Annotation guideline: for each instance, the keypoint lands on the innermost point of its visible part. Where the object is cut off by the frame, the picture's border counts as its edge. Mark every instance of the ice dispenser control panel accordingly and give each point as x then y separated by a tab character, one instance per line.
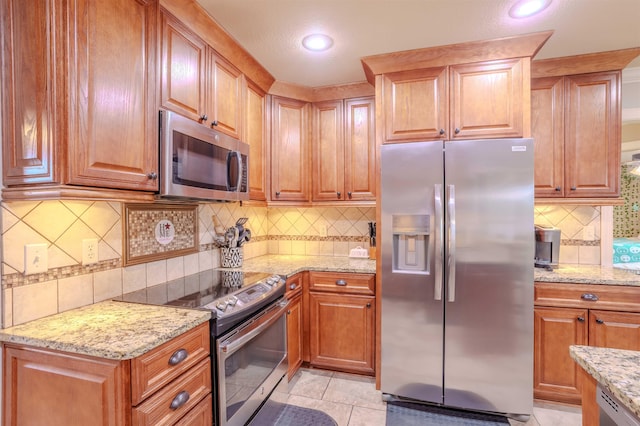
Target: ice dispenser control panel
411	243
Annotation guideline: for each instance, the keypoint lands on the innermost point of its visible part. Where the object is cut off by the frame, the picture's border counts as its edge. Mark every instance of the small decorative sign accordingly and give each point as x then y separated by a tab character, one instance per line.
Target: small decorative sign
165	231
158	231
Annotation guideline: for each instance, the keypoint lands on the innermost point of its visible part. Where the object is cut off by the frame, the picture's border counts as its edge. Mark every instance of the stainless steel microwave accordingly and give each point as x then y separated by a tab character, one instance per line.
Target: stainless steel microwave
200	163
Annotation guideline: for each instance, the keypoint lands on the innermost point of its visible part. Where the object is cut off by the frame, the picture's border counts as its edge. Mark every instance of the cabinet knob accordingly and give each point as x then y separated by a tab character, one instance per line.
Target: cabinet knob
368	305
441	131
456	131
178	356
152	176
349	194
573	188
214	123
277	193
558	188
338	194
341	282
289	312
590	297
180	399
581	319
599	321
204	117
292	287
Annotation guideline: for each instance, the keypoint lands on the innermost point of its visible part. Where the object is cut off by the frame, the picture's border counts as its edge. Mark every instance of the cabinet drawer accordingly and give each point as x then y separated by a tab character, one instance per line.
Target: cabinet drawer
294	284
185	393
202	414
591	296
342	282
151	371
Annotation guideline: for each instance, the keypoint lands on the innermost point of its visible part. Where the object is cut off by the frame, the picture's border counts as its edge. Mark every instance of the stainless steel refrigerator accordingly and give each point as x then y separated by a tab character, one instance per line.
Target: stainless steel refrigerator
457	249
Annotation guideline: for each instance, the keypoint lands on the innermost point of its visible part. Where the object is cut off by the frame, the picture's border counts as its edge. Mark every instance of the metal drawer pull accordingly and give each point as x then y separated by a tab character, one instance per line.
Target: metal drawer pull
341	282
581	319
599	321
590	297
178	356
180	399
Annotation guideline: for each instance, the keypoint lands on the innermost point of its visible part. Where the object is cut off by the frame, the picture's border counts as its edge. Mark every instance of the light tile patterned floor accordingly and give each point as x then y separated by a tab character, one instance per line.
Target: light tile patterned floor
352	400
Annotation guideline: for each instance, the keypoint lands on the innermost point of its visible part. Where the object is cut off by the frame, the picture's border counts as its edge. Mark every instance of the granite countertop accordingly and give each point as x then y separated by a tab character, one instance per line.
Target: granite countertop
111	329
616	369
588	274
288	265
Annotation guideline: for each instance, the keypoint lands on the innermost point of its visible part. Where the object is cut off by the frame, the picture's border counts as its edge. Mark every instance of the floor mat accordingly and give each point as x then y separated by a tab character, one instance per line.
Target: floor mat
275	413
409	414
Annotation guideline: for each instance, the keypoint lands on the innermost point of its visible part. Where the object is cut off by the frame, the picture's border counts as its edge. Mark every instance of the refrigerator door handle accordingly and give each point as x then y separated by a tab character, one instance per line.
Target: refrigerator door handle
451	230
439	245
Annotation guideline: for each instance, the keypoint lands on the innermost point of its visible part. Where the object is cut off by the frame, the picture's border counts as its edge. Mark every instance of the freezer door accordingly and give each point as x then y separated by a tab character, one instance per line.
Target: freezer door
489	285
411	246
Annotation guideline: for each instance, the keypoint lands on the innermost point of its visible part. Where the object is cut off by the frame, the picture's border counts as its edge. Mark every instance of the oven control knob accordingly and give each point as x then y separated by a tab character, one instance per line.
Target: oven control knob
232	301
222	306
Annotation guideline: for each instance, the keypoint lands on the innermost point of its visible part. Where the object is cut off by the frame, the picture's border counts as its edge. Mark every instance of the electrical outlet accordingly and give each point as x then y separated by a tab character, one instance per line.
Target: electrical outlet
35	258
89	251
323	230
588	233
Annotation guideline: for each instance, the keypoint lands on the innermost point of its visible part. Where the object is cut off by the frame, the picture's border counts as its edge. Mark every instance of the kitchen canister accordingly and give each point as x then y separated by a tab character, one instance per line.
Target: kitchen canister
231	257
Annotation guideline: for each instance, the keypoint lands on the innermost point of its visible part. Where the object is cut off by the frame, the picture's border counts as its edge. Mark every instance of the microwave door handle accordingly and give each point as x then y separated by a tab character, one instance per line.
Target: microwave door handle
239	181
231	154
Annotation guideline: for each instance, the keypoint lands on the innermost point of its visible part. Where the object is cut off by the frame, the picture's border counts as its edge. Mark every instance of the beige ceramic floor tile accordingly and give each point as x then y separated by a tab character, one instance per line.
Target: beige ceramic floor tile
310	383
557	415
361	416
355	391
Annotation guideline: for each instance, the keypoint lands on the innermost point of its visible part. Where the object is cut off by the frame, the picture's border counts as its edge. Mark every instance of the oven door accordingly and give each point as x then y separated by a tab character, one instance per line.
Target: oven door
251	360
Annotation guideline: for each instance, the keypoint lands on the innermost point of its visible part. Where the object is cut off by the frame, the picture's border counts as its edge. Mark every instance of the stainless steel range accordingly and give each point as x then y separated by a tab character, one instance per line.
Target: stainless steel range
248	334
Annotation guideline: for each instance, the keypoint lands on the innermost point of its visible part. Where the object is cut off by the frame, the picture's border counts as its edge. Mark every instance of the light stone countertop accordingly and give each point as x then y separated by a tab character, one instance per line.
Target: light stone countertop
616	369
111	329
588	274
288	265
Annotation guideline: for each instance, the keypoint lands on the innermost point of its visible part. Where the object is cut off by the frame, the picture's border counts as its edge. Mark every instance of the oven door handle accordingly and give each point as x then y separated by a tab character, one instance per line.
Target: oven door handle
251	330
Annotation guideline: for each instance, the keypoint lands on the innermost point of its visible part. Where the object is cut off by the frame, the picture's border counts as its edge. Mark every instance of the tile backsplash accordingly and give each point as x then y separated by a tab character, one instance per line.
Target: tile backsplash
626	218
68	284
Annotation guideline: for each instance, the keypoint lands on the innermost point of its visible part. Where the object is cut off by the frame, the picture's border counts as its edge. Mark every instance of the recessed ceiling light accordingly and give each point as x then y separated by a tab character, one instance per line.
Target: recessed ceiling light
317	42
526	8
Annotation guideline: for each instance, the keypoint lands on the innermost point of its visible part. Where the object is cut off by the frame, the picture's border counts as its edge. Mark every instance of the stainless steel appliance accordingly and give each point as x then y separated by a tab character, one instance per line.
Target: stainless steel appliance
457	276
248	334
612	411
198	162
547	246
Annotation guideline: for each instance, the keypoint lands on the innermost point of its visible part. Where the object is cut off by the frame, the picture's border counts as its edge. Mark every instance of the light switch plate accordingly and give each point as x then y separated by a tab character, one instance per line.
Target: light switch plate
35	258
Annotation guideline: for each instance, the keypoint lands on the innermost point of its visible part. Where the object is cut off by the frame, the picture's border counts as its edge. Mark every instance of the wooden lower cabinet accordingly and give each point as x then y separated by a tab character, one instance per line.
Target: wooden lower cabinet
342	332
294	324
579	314
53	388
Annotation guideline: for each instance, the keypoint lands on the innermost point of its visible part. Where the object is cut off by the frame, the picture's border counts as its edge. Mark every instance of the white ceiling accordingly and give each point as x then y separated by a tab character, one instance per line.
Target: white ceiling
272	30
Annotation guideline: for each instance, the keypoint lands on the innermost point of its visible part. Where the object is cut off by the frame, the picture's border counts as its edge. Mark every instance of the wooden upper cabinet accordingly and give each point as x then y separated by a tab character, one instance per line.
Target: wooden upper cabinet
32	87
79	91
592	134
487	100
547	130
197	82
360	149
113	125
415	105
183	69
328	151
255	135
289	150
225	96
468	101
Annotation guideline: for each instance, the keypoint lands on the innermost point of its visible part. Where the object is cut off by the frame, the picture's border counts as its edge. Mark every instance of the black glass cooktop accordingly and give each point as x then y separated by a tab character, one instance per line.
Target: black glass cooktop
194	291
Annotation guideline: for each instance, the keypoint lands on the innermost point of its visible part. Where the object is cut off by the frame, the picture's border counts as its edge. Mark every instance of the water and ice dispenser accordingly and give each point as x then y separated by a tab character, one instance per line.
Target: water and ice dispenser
411	243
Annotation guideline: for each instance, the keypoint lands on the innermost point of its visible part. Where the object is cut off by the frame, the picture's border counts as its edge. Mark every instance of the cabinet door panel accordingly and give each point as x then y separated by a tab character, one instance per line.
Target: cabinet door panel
547	130
592	135
114	126
255	135
183	70
225	95
555	373
415	104
328	152
97	389
360	149
289	151
487	100
294	334
619	330
342	332
32	114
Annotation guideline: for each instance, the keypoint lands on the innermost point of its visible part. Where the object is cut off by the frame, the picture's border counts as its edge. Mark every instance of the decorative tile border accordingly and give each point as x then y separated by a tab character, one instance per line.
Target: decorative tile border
582	243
